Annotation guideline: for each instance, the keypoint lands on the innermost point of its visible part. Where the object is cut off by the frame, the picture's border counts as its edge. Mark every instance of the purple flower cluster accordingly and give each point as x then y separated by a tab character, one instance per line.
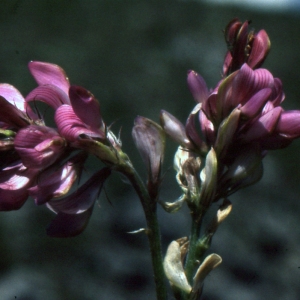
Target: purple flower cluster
241	118
44	162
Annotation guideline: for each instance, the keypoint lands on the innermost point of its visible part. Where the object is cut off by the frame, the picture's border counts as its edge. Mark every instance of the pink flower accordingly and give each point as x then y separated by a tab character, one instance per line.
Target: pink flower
73	212
244	47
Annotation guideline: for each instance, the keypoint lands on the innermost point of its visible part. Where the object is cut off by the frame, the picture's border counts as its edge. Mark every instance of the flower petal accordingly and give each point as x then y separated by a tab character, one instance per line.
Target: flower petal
207	128
56	182
85	106
248	82
174	128
263	126
197	86
46	73
289	124
49	94
39	146
259	50
71	127
15	180
83	198
11	115
12	199
253	107
66	225
13	96
191	130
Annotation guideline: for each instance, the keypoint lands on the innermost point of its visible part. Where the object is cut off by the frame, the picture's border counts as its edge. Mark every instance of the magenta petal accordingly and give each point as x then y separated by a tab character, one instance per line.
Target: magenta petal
11	115
39	146
13	96
83	198
191	129
197	86
207	128
56	182
225	102
46	73
254	105
209	106
15	176
174	128
289	124
12	199
49	94
264	125
53	185
278	94
248	82
227	62
72	127
15	180
263	79
85	106
66	225
259	50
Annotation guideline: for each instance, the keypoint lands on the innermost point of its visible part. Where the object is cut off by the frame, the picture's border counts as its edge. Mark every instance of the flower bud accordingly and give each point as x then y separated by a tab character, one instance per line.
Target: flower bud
149	138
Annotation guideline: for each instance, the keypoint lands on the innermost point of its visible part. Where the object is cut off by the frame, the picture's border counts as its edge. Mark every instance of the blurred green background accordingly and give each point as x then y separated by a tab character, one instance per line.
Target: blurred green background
133	56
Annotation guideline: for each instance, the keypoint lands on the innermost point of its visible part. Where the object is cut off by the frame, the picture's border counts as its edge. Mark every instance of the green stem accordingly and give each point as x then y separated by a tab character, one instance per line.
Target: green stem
153	232
191	263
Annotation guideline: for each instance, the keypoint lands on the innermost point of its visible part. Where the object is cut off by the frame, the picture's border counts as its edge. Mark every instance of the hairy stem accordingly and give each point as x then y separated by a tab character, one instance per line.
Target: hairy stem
191	263
153	232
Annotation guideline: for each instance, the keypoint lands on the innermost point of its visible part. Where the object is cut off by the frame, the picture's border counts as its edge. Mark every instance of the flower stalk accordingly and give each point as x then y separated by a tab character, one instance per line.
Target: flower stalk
152	231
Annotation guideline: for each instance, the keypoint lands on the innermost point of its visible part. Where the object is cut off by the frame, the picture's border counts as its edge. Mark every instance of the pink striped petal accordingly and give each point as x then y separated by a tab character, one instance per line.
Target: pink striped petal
289	124
71	127
248	82
50	94
39	146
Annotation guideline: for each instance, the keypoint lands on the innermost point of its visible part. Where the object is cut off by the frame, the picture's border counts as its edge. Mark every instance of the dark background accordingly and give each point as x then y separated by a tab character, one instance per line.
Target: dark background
133	56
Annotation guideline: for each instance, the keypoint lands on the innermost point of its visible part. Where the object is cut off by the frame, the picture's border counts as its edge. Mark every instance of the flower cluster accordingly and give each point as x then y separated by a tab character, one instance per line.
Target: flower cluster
240	119
44	162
